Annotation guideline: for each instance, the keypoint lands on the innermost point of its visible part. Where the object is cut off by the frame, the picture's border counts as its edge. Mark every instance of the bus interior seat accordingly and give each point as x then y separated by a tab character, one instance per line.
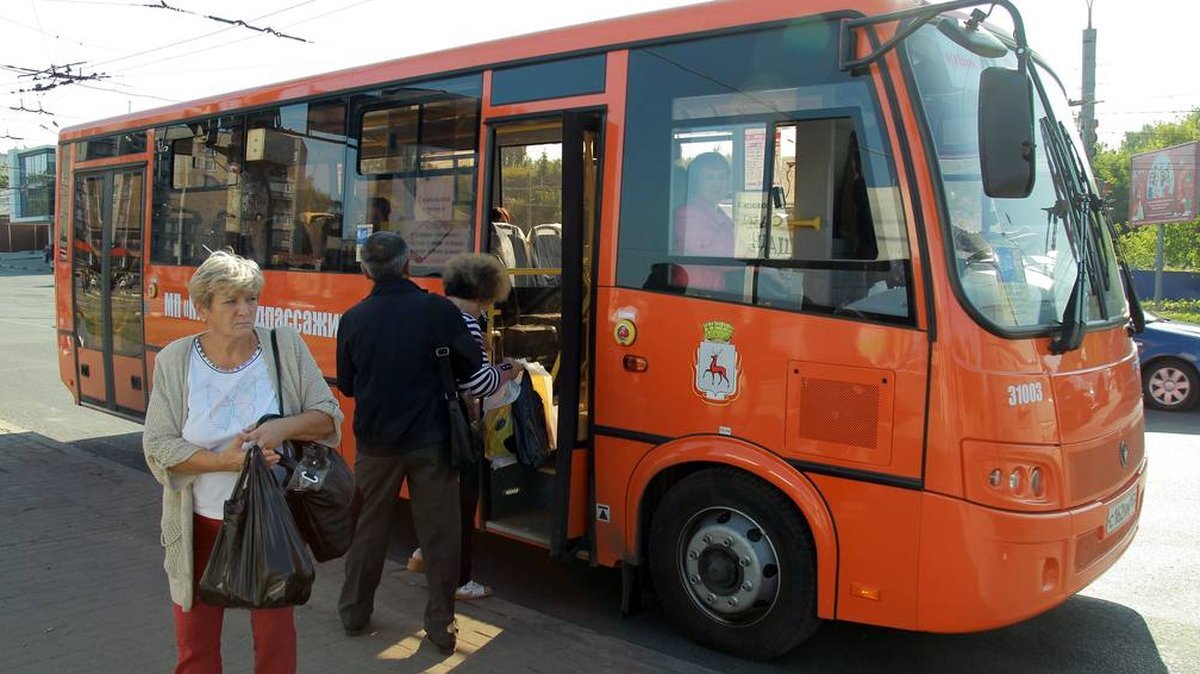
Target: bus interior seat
511	245
546	243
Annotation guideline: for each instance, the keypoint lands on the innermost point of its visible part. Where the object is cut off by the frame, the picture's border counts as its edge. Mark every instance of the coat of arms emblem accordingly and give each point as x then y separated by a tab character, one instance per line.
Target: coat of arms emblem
717	364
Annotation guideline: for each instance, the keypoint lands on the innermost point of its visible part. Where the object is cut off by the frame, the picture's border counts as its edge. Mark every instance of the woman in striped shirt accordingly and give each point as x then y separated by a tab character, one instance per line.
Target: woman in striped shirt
474	283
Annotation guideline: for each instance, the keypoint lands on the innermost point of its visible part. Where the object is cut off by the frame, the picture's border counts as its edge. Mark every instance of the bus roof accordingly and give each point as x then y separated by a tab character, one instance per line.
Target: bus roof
717	15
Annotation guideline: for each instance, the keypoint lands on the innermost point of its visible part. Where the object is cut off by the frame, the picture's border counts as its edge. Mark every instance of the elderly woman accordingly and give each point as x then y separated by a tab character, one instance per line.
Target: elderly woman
209	391
474	283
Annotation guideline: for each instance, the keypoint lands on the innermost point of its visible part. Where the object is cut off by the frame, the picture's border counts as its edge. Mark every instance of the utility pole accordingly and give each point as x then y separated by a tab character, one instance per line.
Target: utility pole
1087	115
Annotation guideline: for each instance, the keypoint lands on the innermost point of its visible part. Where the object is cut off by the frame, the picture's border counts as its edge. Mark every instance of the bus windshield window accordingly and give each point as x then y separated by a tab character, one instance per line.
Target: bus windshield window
1015	259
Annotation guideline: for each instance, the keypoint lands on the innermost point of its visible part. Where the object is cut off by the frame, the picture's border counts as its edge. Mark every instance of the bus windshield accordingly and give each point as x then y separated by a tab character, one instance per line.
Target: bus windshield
1016	261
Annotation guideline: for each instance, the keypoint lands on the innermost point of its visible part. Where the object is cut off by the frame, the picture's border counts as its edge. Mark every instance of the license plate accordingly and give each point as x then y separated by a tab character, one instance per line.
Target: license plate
1120	512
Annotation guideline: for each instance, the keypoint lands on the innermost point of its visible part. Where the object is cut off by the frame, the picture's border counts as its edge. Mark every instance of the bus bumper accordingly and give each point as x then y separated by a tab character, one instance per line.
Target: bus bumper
982	568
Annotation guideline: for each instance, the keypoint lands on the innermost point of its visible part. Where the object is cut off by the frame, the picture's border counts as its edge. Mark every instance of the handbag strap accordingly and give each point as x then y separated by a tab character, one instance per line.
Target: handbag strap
449	390
278	370
441	353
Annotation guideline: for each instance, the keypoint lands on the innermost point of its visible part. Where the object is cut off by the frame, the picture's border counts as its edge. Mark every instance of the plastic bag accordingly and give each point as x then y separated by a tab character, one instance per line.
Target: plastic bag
499	443
529	417
324	500
258	559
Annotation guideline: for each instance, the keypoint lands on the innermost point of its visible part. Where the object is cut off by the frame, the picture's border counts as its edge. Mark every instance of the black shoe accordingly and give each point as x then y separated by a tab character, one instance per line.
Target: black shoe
444	640
355	631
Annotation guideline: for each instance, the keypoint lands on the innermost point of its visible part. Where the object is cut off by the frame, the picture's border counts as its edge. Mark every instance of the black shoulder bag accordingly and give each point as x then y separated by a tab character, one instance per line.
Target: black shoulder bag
462	446
321	492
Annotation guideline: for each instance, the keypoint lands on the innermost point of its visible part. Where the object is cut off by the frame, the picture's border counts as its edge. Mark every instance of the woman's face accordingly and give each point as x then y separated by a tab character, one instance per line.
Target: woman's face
231	314
712	184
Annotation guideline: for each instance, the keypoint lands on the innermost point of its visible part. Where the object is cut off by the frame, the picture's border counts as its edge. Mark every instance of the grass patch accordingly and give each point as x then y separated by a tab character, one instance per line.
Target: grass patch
1176	310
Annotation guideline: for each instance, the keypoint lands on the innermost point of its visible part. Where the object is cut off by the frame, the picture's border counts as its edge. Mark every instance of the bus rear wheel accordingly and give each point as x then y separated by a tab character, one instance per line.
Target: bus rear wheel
733	564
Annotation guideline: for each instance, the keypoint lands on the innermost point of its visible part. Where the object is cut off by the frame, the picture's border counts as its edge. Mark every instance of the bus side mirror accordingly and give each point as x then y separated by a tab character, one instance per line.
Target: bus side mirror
1006	145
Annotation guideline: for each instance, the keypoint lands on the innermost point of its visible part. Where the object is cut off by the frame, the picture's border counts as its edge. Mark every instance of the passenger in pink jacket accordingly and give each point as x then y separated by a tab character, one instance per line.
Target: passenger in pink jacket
701	227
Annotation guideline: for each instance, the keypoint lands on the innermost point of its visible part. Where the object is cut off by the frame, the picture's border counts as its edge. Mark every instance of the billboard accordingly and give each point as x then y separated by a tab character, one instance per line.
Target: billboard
1162	185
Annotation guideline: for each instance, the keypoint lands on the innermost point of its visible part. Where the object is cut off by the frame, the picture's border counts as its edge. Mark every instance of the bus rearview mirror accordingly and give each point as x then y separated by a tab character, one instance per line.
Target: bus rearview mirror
1006	141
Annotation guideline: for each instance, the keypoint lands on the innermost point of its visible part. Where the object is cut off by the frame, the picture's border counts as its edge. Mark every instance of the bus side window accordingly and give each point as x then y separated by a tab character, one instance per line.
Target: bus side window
747	179
194	167
415	148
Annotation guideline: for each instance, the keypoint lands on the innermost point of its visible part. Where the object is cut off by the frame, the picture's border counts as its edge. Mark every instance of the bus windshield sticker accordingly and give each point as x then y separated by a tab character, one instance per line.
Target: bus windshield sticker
717	364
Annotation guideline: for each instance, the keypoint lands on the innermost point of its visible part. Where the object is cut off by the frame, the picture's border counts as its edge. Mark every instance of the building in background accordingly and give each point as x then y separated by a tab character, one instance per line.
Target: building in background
29	198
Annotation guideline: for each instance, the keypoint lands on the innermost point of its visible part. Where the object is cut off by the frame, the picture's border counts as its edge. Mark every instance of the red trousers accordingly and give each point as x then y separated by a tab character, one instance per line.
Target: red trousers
198	632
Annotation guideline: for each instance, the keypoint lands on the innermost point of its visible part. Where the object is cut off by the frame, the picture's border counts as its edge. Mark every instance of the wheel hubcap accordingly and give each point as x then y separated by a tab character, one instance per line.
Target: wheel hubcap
1169	386
729	566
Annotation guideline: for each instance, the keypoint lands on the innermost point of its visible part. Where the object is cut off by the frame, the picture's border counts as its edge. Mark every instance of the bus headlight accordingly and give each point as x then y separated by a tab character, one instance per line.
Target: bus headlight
1012	476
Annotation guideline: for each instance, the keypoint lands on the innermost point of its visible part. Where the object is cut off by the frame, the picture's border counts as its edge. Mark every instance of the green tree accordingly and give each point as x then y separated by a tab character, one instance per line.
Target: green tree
1181	246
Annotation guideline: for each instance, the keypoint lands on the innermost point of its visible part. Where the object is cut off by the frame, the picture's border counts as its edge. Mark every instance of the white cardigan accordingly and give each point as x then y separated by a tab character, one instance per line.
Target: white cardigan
304	389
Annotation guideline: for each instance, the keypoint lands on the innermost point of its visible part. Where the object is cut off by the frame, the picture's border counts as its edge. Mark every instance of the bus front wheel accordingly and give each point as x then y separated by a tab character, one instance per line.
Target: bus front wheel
733	564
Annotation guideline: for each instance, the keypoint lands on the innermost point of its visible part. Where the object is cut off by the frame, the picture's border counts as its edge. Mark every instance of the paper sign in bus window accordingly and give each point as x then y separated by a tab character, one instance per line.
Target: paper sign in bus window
361	234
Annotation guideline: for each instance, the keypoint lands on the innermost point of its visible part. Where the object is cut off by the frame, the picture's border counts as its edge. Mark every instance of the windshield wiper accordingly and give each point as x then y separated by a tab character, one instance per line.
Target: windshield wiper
1137	316
1073	320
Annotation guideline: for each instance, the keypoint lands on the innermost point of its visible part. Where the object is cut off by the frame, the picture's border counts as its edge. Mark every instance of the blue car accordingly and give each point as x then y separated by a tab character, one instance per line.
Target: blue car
1169	352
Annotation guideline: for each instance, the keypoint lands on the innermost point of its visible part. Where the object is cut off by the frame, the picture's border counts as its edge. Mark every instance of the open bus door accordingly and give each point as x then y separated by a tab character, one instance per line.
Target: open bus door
106	272
545	172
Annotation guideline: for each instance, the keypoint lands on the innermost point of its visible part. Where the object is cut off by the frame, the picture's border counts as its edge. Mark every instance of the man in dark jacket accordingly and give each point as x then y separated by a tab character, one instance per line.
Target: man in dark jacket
386	362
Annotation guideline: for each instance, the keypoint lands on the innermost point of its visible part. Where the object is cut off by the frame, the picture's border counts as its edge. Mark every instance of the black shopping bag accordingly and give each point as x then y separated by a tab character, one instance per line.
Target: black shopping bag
324	499
529	416
258	559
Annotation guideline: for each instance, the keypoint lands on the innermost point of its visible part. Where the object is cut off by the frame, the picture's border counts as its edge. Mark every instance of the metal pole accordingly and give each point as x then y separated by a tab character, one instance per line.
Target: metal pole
1158	262
1087	115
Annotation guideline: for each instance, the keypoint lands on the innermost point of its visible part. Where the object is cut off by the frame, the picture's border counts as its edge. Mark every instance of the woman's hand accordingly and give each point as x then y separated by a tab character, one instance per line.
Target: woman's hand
269	435
232	454
509	371
236	454
271	457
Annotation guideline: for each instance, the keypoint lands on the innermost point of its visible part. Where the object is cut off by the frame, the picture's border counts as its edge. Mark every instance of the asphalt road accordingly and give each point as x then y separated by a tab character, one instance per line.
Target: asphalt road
1142	616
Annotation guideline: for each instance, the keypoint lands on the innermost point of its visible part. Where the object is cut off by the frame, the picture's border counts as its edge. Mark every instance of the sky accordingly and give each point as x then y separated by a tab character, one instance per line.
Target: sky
152	56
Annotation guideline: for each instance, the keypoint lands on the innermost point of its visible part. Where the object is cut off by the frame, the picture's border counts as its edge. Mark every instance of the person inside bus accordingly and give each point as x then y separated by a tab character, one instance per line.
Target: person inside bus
209	391
474	283
701	228
380	212
385	361
510	244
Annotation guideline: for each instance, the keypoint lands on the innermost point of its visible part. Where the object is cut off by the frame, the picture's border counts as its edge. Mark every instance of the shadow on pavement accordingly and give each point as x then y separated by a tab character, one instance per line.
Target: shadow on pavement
1186	422
124	449
1082	635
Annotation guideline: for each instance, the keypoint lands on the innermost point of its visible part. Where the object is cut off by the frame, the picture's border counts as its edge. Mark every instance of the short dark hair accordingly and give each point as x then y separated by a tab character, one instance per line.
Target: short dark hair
500	214
479	278
385	256
381	206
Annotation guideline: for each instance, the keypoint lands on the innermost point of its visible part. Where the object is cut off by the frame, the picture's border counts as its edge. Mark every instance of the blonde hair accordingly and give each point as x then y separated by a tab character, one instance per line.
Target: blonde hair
224	273
479	278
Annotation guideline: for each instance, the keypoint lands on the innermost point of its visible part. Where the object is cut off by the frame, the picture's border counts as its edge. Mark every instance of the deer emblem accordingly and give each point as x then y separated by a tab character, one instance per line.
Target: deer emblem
715	370
717	364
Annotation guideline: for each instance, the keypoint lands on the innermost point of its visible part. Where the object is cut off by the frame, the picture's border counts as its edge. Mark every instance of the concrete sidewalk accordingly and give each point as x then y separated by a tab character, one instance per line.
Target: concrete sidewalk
84	591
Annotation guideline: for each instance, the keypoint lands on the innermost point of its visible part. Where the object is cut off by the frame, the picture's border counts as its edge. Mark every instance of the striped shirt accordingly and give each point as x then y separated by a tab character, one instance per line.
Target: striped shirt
486	379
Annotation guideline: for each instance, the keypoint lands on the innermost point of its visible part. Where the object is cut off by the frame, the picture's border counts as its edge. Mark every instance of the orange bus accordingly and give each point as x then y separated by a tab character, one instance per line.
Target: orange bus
833	321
